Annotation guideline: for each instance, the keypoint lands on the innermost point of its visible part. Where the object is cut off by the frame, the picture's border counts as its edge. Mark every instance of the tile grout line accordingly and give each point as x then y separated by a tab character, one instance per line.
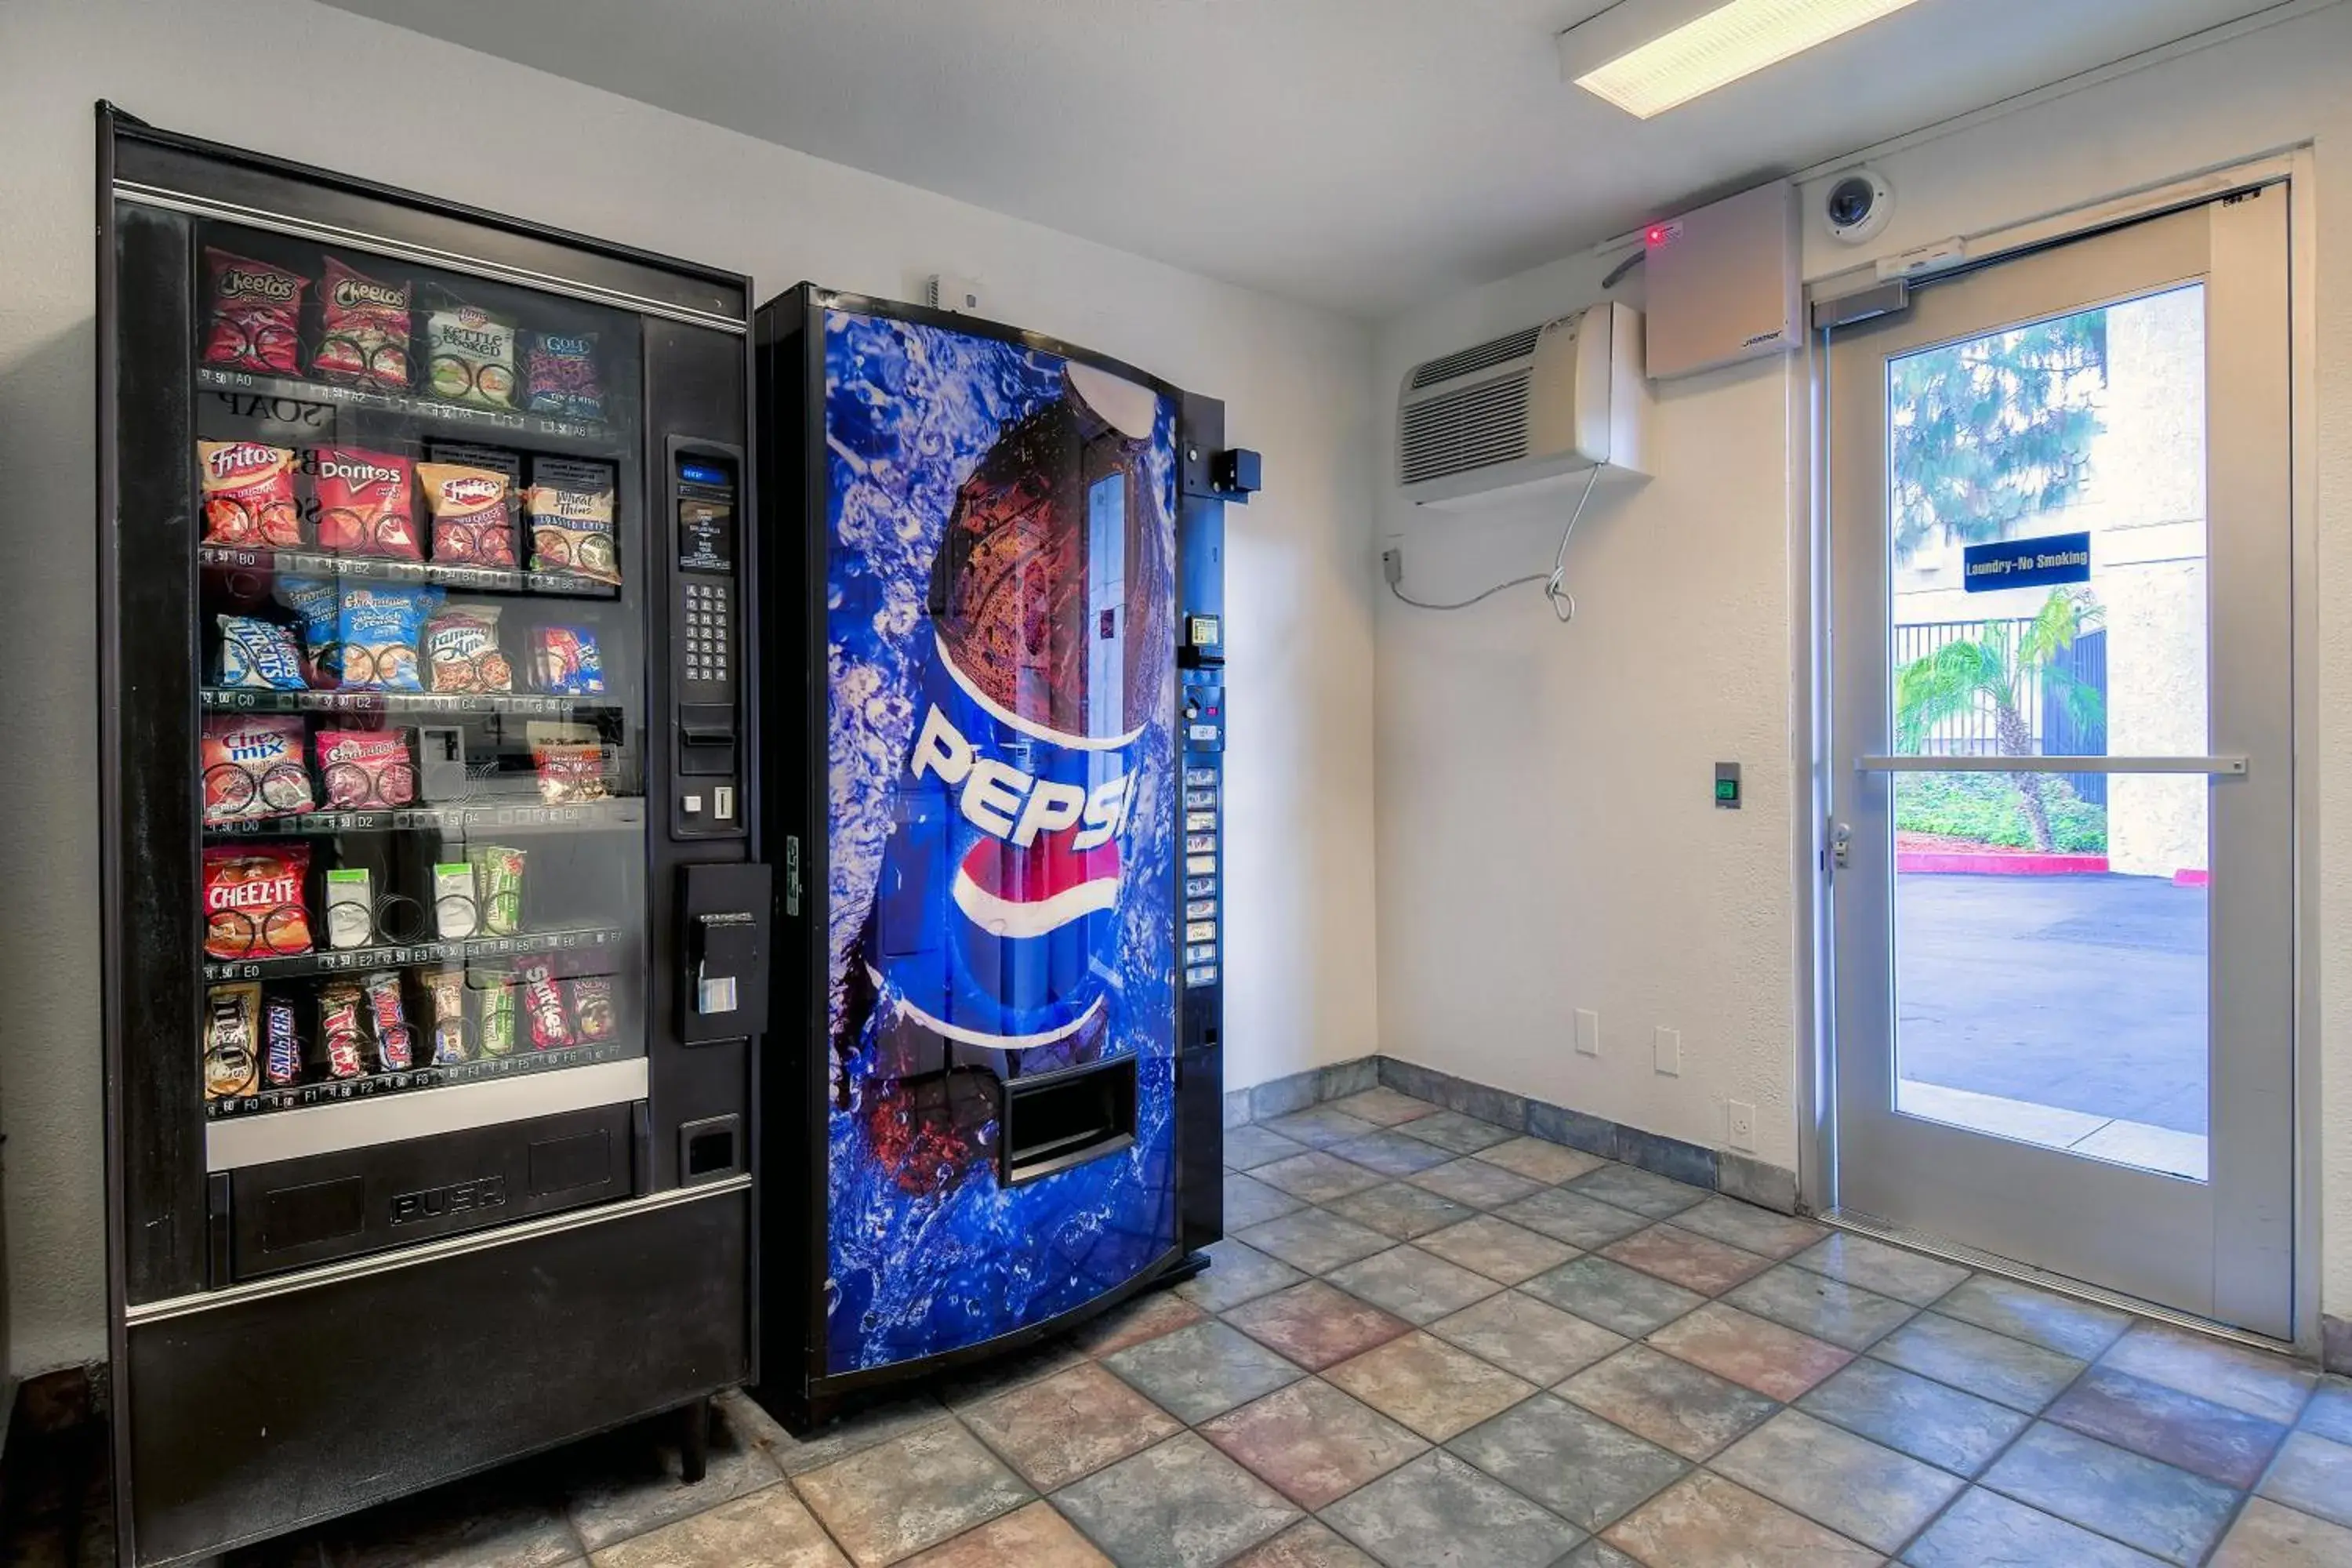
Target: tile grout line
2035	1417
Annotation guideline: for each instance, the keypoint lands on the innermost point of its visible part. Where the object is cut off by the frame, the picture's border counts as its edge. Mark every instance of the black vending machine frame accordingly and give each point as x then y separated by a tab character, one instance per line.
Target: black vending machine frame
791	1151
247	1405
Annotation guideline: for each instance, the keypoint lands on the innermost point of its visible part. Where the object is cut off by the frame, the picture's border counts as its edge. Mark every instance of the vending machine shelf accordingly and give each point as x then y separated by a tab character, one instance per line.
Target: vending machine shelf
457	418
295	966
591	816
526	705
469	579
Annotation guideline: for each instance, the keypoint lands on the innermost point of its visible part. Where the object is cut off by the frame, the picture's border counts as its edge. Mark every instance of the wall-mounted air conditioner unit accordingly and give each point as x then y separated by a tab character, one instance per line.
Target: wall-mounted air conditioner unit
1539	404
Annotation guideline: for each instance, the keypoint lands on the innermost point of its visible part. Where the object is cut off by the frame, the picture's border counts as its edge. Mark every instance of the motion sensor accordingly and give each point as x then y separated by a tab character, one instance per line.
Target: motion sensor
1857	204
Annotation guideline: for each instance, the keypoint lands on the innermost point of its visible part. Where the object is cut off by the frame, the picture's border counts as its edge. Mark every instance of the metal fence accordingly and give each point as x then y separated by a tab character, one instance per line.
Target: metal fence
2048	719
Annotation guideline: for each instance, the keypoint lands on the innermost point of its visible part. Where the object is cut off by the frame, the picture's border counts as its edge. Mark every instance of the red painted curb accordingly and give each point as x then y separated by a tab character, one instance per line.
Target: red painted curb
1961	863
2190	877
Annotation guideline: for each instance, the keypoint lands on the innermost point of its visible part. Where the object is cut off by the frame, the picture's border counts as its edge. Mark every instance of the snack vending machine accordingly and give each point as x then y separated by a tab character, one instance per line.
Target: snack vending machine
435	927
993	797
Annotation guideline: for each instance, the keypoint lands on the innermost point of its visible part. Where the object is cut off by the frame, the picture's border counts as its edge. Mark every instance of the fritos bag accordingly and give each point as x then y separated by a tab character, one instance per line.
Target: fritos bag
249	495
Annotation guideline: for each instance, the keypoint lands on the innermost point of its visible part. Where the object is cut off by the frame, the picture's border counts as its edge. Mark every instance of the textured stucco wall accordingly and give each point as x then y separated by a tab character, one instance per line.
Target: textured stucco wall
1546	837
252	73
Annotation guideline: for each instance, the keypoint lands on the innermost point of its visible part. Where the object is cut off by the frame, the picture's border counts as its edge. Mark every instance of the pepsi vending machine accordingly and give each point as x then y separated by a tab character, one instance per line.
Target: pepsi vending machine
996	728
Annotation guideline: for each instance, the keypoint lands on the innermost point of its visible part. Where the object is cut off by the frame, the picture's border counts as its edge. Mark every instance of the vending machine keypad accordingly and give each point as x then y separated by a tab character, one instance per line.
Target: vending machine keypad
705	694
1201	713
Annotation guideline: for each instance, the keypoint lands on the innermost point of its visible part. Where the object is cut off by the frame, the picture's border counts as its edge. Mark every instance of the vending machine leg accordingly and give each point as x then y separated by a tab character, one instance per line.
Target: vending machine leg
694	1451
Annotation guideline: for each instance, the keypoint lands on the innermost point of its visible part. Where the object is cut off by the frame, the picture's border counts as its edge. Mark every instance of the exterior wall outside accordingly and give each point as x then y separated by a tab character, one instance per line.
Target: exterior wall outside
1299	808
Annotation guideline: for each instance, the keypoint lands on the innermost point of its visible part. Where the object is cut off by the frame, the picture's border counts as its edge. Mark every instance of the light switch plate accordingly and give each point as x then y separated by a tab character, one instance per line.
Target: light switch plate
1669	1044
1588	1032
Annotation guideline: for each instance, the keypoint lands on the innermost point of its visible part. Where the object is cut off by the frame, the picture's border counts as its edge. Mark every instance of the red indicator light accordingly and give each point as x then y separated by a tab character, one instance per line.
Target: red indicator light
1657	234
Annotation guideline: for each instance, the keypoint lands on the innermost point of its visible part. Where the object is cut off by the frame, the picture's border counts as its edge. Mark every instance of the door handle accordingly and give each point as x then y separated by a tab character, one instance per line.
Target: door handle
1841	846
2222	767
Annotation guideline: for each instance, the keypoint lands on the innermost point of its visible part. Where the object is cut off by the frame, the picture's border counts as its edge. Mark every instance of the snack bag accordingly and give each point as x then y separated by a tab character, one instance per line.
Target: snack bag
592	1008
542	1004
498	888
567	661
253	901
571	522
320	603
351	908
570	763
252	767
498	993
473	514
454	907
364	507
447	993
281	1062
381	624
366	769
256	309
232	1041
469	355
563	371
258	653
249	495
461	648
363	331
395	1042
342	1025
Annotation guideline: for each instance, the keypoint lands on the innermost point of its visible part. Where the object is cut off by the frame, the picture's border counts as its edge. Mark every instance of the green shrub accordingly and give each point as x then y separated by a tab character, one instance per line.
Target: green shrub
1983	808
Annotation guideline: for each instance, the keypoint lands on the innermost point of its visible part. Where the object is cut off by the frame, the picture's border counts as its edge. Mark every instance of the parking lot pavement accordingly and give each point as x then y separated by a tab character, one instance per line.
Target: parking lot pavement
2085	993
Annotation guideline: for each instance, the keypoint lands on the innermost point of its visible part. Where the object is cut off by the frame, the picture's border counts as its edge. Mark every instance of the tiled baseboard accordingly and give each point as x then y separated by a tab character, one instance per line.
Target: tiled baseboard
2335	1345
1737	1176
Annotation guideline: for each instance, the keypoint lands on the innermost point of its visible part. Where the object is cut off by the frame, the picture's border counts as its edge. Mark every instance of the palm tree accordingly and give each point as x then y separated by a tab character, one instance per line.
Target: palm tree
1998	666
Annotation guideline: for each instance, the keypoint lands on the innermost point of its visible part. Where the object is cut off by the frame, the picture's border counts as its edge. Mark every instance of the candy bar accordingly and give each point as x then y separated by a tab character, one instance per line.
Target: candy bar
395	1042
282	1059
542	1001
232	1025
448	988
341	1013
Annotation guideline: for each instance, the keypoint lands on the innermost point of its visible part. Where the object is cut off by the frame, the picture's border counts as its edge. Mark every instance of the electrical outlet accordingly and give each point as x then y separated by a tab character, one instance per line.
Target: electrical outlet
1669	1046
1740	1118
1393	566
1588	1032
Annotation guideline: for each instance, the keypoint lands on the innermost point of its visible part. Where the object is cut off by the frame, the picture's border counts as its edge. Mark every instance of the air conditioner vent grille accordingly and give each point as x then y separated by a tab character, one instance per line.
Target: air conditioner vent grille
1473	428
1518	345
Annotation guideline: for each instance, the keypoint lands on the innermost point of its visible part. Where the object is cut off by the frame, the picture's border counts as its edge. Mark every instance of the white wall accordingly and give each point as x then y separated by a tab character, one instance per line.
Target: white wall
298	80
1547	840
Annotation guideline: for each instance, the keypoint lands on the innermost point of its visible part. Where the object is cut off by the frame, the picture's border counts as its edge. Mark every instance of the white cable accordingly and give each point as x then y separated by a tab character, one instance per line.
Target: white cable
1563	603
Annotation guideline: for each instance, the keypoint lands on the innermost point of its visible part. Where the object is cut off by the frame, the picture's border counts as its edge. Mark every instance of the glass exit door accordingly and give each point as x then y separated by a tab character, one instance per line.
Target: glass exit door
2063	828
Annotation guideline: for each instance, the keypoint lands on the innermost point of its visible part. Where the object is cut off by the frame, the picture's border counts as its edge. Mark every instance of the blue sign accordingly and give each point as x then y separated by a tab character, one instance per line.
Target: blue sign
2042	563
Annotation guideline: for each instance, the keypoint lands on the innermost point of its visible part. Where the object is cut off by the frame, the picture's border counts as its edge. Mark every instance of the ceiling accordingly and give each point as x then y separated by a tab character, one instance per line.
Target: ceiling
1361	154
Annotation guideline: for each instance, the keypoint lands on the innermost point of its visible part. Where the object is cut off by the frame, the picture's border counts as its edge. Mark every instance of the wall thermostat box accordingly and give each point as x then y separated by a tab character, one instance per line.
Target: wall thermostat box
1725	283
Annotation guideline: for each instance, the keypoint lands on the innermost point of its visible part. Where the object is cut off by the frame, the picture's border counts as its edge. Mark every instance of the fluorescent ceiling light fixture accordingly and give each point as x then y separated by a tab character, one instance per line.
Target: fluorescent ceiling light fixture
1719	47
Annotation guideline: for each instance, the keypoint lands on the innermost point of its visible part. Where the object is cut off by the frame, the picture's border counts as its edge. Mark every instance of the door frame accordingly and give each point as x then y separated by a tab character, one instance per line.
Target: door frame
1809	557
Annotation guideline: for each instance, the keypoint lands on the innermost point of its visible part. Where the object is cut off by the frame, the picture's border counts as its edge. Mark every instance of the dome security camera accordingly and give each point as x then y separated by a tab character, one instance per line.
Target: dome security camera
1857	204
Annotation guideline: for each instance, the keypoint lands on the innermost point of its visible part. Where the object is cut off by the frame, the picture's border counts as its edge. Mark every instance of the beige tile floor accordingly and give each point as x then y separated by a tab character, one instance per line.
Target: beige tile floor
1478	1351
